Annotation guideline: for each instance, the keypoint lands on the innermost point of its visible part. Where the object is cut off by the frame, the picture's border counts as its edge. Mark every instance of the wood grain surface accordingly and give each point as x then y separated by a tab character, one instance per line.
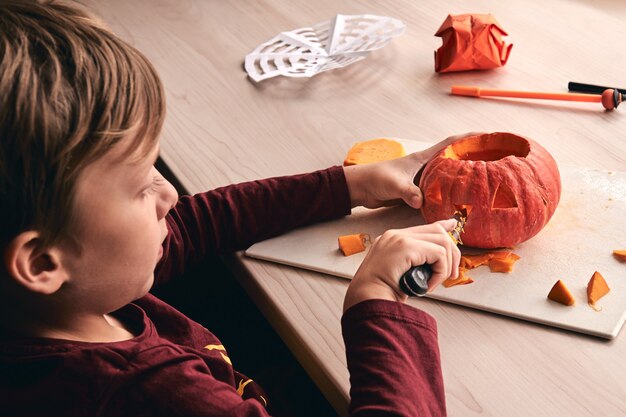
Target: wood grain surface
222	128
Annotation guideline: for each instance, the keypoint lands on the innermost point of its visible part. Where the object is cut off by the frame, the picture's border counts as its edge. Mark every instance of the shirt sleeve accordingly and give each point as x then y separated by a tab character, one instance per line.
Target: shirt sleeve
234	217
393	360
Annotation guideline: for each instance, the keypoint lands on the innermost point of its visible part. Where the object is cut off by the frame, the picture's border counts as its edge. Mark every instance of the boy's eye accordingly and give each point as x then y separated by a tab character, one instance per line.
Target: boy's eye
157	181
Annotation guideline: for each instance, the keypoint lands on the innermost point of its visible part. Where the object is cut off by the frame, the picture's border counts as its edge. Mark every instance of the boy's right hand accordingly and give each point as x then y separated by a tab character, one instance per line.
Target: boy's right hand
394	252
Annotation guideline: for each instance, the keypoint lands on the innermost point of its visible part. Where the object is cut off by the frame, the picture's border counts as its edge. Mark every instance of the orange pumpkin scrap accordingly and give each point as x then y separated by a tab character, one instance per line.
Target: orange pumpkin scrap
561	294
620	254
462	279
374	150
351	244
474	261
512	184
502	261
596	288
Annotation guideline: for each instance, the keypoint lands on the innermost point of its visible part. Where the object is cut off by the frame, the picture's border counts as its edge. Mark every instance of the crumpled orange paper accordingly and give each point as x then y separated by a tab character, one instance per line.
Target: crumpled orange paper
471	42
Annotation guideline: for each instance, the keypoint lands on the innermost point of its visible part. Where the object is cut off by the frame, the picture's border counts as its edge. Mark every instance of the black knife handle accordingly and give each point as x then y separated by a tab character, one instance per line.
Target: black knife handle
414	282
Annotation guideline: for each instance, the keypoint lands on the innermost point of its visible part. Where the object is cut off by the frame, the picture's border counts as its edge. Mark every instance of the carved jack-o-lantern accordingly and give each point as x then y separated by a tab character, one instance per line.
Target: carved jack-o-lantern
511	183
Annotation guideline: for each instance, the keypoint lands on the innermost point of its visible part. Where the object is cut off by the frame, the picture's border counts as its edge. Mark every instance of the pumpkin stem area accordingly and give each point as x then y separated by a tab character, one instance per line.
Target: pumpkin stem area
490	147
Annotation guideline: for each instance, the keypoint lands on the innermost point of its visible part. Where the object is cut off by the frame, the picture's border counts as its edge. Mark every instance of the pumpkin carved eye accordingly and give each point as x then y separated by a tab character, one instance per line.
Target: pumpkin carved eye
433	194
504	198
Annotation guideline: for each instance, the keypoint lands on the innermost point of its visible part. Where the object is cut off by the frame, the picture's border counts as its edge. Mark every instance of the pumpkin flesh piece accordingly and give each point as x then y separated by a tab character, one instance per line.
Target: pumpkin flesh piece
374	150
351	244
462	279
504	258
474	261
596	288
496	260
503	263
620	254
561	294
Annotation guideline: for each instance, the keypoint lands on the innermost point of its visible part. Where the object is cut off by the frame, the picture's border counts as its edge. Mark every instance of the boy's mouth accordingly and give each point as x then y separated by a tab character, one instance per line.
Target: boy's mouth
162	242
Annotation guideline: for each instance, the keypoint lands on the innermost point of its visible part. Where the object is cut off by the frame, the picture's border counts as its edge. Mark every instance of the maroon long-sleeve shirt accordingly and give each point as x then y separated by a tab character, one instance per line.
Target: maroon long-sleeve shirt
176	367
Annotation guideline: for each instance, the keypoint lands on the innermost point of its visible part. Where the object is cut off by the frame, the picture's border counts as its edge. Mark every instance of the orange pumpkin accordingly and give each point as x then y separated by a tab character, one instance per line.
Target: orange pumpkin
512	184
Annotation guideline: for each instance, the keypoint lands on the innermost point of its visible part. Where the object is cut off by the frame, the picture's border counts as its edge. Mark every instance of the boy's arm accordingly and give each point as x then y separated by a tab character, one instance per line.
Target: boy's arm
234	217
393	359
391	348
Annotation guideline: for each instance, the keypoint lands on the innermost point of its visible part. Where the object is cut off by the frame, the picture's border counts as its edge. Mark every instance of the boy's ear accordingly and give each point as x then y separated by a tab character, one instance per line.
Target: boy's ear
38	271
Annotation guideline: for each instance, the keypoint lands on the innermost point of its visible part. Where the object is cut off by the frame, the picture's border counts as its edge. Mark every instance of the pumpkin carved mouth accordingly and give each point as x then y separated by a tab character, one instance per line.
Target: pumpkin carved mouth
512	184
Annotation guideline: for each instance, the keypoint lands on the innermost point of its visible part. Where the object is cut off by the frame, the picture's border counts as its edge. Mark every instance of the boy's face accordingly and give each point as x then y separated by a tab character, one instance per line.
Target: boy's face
120	210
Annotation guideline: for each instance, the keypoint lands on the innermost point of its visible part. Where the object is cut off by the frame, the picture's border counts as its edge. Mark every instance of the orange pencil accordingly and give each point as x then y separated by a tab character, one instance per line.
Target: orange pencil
610	98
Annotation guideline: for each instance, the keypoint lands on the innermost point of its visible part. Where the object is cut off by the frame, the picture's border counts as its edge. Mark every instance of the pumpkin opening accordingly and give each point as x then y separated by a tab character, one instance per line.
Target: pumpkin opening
490	147
504	198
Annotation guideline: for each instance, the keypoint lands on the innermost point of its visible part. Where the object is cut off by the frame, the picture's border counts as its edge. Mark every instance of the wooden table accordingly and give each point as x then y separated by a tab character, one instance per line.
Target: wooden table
222	128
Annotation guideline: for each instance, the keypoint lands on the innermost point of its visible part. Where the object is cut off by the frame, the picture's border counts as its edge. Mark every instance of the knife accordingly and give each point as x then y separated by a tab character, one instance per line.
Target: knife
414	282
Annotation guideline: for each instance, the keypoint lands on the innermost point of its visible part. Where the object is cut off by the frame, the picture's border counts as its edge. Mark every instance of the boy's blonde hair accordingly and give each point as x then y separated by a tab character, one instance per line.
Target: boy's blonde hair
69	91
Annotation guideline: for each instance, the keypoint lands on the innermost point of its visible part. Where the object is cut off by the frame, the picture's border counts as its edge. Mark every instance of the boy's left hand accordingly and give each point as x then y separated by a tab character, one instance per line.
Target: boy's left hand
391	182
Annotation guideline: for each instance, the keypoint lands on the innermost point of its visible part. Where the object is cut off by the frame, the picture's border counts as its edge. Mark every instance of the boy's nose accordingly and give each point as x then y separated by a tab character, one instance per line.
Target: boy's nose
167	199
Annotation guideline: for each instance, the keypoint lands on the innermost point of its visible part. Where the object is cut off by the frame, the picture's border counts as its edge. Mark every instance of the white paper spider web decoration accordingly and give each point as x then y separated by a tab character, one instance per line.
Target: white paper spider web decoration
328	45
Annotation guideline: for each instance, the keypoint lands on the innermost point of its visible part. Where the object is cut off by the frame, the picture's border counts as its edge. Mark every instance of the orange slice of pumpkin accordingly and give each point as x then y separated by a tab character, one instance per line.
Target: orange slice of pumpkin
374	150
462	279
561	294
501	261
474	261
351	244
596	288
620	254
503	264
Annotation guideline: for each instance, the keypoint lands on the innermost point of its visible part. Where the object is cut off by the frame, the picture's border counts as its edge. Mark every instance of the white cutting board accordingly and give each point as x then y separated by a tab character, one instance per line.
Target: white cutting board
579	239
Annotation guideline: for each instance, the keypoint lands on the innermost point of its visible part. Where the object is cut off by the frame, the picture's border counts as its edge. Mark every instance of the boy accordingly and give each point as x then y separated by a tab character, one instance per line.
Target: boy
85	219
